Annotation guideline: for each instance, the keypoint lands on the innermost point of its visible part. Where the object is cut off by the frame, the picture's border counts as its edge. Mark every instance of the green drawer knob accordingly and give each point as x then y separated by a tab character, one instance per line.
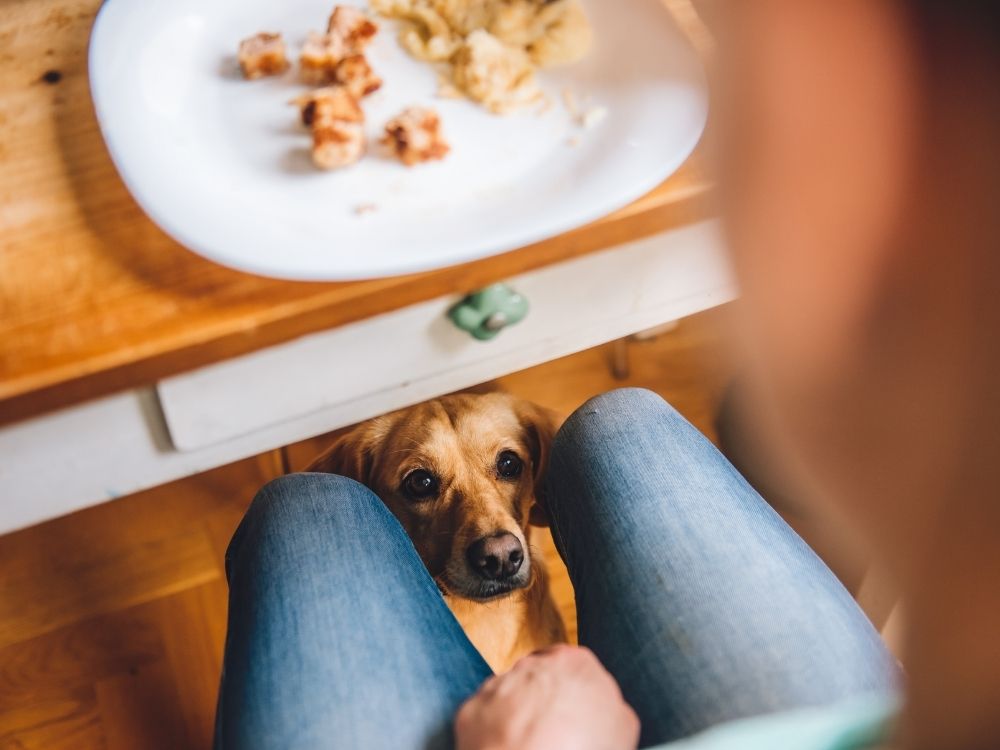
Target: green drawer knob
487	312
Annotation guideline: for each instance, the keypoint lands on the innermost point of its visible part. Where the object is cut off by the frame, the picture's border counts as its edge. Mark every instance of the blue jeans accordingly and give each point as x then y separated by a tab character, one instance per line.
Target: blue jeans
700	600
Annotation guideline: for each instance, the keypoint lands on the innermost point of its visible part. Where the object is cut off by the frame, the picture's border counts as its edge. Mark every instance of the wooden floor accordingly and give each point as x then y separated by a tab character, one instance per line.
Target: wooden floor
112	619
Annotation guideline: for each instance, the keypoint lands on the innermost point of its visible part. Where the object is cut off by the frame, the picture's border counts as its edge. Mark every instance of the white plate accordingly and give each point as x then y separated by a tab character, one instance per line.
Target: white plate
221	165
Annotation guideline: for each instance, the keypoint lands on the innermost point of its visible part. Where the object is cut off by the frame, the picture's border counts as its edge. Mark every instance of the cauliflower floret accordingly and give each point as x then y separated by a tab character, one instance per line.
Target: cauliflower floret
496	74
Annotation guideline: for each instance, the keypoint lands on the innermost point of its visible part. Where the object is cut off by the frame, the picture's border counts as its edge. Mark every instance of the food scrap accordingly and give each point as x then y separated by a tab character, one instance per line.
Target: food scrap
501	77
494	45
319	57
337	124
582	118
415	136
352	27
348	32
334	61
552	32
592	117
262	55
446	89
569	101
357	75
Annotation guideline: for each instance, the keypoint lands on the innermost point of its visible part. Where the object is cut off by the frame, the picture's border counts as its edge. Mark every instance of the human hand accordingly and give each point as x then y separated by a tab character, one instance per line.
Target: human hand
561	697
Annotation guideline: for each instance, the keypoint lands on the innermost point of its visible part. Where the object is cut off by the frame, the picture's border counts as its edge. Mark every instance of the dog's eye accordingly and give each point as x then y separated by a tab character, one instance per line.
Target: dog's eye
420	484
509	465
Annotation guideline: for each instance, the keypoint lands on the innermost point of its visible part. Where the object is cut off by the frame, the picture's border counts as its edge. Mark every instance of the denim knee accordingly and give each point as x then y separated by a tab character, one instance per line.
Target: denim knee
299	497
606	417
307	499
611	440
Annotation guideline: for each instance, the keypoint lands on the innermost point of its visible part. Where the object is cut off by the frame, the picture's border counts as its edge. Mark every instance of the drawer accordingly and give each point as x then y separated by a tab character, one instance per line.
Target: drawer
389	361
129	441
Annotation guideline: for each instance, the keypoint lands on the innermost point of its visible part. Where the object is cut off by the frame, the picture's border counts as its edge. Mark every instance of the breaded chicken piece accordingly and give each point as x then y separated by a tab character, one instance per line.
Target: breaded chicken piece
357	75
330	103
337	124
415	136
319	58
348	33
337	143
262	55
352	27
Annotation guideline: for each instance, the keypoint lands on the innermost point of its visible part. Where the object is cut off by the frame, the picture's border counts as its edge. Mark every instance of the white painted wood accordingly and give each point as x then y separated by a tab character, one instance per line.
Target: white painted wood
120	444
572	300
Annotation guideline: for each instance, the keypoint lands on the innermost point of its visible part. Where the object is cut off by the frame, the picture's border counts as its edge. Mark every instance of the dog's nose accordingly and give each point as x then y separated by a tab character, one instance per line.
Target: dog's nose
496	557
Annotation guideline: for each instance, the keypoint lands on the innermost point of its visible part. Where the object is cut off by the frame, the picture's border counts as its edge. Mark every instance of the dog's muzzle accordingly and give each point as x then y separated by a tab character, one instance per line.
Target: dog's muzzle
496	565
497	557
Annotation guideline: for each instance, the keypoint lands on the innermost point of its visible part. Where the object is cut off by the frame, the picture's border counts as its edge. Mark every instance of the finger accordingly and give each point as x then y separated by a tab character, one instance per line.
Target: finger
530	661
466	719
488	687
500	686
511	683
555	648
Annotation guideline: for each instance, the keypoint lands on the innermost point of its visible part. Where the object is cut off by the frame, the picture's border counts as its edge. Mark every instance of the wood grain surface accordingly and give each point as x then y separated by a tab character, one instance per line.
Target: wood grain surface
94	298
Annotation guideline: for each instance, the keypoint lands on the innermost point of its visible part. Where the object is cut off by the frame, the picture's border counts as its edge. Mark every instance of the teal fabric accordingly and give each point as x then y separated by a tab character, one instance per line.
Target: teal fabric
859	724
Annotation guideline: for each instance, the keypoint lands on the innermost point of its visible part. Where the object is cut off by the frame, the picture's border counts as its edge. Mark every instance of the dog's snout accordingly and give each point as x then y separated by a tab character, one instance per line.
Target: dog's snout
496	557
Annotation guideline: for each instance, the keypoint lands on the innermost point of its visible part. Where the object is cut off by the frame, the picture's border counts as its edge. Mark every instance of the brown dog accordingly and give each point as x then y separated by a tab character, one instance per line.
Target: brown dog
459	473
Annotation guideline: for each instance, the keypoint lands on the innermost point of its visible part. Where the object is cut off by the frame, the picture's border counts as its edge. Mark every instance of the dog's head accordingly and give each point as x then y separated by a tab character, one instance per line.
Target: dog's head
460	474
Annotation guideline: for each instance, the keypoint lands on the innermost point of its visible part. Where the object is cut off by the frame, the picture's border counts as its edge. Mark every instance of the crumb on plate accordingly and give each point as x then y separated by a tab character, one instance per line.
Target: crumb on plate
592	117
570	102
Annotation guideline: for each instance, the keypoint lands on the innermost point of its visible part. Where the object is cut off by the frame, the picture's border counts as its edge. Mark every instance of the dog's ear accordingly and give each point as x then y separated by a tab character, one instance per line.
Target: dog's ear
539	425
353	454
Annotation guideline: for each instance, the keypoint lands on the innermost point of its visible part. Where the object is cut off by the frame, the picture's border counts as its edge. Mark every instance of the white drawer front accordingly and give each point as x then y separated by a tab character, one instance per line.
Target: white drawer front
120	444
362	369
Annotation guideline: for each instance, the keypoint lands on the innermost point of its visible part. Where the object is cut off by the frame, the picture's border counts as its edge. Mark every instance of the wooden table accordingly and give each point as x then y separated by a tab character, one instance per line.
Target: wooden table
96	300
